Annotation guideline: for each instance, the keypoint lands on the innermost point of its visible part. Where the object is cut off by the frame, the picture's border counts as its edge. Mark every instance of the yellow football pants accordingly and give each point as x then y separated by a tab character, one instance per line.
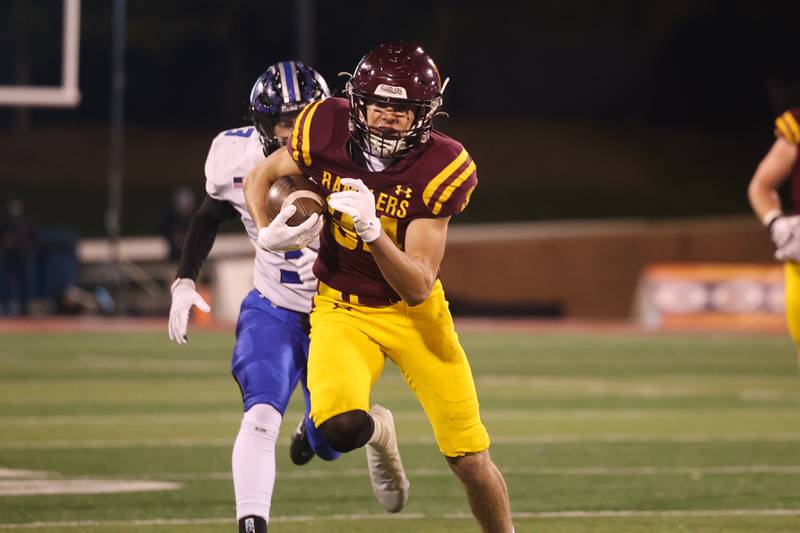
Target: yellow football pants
792	271
349	342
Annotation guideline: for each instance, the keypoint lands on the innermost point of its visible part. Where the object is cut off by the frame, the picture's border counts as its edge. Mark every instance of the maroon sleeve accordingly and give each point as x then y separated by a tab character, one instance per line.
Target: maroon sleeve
312	130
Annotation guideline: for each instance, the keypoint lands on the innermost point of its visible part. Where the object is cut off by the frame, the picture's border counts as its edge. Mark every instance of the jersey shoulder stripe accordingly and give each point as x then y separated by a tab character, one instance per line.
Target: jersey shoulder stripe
295	142
452	186
468	196
301	143
788	126
444	174
459	173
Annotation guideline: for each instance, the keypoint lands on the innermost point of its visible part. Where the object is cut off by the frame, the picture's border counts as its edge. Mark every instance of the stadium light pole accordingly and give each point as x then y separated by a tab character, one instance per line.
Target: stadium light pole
116	155
304	31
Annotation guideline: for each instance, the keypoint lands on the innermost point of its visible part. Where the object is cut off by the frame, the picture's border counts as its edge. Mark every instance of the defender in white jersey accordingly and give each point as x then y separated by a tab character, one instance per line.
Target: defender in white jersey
271	350
281	278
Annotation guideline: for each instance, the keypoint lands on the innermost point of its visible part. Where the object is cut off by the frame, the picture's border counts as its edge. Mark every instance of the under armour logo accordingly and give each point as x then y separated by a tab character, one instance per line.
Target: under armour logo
398	190
339	306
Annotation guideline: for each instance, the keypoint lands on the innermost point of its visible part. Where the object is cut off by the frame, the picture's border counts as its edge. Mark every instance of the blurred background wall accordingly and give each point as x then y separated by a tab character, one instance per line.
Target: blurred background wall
572	109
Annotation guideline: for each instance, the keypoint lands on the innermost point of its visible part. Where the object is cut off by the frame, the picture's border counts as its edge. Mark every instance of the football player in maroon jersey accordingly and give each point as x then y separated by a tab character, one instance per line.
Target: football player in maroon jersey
782	163
393	183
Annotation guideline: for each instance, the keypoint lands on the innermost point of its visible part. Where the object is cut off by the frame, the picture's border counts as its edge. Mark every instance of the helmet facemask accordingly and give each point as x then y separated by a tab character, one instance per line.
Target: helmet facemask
266	124
388	142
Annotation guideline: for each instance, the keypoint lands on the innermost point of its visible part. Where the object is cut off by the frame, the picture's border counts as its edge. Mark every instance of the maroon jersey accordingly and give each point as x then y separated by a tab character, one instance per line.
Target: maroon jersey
433	181
788	126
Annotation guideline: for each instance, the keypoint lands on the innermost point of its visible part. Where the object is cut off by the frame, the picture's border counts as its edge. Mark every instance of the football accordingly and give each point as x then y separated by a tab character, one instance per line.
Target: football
306	196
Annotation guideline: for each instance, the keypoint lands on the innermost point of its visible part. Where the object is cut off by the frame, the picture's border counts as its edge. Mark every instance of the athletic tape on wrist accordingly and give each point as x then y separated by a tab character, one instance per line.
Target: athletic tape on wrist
771	217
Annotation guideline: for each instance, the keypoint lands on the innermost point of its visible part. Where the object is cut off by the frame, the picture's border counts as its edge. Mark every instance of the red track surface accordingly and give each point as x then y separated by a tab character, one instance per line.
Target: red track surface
134	325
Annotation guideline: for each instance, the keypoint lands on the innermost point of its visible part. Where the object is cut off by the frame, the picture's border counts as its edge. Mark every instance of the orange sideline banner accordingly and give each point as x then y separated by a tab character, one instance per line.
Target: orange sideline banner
717	296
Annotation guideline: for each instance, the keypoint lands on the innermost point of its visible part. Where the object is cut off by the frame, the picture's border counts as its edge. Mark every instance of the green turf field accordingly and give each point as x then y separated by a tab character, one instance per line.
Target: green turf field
594	432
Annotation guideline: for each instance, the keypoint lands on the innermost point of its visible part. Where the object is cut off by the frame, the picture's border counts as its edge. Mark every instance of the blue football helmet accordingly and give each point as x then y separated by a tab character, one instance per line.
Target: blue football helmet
279	95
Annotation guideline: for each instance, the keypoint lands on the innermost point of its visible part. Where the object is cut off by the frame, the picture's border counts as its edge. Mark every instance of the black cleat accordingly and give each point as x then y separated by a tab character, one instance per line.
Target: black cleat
300	449
252	524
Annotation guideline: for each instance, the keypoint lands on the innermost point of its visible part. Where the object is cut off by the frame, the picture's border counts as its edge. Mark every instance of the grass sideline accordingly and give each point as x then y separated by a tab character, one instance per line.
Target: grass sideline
595	431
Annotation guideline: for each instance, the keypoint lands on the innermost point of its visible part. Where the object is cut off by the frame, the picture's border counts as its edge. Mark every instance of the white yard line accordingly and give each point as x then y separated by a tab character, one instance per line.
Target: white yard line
119	419
9	473
26	482
101	444
302	473
488	414
208	521
30	482
588	471
410	516
655	514
508	439
28	487
642	437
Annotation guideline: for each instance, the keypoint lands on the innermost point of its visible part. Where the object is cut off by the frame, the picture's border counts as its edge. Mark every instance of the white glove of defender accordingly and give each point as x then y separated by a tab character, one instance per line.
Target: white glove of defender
785	233
278	237
184	296
305	265
360	206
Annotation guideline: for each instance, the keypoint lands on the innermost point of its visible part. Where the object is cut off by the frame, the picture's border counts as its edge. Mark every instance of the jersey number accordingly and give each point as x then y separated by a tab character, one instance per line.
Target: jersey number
346	236
241	132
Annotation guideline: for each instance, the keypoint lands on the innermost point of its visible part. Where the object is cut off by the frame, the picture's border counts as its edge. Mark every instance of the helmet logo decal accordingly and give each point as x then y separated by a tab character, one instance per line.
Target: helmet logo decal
289	85
390	91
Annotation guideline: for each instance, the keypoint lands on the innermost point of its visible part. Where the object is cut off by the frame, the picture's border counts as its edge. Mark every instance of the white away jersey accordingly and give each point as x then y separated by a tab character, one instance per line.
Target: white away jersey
233	153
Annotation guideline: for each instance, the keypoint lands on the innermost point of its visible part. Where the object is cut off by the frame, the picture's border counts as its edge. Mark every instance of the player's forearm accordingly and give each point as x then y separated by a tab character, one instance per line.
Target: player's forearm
411	278
763	199
258	181
772	172
202	233
199	240
255	185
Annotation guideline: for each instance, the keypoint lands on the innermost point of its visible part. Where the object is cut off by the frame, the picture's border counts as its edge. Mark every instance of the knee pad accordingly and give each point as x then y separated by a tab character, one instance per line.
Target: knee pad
348	431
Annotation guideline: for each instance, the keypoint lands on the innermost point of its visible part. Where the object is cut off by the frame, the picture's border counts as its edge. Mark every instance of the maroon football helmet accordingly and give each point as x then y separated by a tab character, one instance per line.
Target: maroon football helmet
401	75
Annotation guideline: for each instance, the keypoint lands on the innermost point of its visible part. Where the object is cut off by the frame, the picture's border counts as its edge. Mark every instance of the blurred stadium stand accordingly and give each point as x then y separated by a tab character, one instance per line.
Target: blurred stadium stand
613	111
578	269
50	272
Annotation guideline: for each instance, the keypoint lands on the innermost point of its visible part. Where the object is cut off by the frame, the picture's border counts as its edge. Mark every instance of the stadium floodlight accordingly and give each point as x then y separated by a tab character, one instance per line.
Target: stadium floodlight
66	95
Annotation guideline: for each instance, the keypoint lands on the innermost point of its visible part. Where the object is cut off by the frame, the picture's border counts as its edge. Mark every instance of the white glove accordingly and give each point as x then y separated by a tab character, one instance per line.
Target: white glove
305	265
360	206
184	296
278	237
785	233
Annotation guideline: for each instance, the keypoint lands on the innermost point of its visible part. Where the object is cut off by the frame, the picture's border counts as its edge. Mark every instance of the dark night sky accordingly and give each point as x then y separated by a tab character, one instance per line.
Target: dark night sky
698	63
655	108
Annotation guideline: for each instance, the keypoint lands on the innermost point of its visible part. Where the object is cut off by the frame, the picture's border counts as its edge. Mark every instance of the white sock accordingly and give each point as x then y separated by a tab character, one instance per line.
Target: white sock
379	433
253	461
